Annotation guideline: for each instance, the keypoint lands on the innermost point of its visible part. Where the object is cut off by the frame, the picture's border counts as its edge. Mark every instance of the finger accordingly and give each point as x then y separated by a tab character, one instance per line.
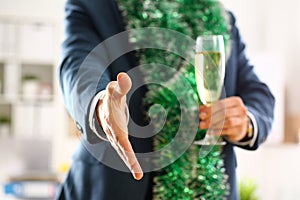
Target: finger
212	116
227	103
217	118
205	112
133	164
129	157
111	88
234	134
230	122
224	122
124	84
225	116
134	167
218	106
119	141
120	87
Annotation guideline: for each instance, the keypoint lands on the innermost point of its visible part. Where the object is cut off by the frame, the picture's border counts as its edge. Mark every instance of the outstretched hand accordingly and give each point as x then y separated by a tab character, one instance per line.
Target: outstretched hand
111	113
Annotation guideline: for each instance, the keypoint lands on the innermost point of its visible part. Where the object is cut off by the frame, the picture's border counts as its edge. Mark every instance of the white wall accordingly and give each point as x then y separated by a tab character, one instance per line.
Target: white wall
50	11
273	26
271	30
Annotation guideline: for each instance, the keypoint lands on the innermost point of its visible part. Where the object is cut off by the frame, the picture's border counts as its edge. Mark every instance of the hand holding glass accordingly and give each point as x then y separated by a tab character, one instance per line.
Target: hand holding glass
210	72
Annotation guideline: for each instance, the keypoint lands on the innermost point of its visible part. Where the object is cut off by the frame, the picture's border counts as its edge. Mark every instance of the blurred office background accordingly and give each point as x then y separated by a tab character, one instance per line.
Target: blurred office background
37	138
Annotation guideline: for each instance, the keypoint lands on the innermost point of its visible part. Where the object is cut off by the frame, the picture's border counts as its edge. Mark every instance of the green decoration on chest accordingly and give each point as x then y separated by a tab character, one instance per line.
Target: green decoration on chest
189	177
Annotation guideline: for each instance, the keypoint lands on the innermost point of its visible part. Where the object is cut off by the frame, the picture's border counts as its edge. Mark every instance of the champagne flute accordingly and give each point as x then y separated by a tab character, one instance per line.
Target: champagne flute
210	72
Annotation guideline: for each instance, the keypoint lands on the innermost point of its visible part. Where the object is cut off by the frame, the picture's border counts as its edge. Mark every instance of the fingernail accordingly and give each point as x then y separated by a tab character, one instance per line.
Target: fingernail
137	172
203	115
138	176
120	75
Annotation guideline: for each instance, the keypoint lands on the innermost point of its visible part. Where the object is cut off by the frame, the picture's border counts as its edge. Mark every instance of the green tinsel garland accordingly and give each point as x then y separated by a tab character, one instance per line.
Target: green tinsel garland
189	177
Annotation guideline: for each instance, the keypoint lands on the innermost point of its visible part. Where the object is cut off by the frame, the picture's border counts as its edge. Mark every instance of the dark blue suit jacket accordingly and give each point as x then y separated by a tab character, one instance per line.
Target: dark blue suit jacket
88	23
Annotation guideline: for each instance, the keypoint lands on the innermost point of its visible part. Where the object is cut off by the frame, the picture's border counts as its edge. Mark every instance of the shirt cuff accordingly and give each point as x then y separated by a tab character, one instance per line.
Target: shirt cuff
250	142
93	122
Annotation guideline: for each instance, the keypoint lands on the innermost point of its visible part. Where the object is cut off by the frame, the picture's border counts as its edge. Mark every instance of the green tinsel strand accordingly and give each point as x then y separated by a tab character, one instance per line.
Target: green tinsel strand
189	177
209	178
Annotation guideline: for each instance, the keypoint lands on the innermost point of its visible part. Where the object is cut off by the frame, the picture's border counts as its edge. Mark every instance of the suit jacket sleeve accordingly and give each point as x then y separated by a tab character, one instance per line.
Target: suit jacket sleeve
255	94
81	82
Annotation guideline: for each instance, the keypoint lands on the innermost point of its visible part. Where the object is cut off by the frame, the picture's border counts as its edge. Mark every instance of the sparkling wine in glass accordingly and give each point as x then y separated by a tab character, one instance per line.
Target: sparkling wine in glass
210	72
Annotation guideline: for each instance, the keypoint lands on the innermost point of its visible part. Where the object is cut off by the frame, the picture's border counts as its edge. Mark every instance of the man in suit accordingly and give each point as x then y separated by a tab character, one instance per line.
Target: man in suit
100	111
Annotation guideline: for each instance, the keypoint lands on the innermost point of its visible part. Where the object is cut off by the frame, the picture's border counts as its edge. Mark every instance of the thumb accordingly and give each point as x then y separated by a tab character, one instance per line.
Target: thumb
123	84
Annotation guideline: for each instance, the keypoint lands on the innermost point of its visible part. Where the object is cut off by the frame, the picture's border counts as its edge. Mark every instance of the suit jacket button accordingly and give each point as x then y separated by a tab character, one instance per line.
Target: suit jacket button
79	127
